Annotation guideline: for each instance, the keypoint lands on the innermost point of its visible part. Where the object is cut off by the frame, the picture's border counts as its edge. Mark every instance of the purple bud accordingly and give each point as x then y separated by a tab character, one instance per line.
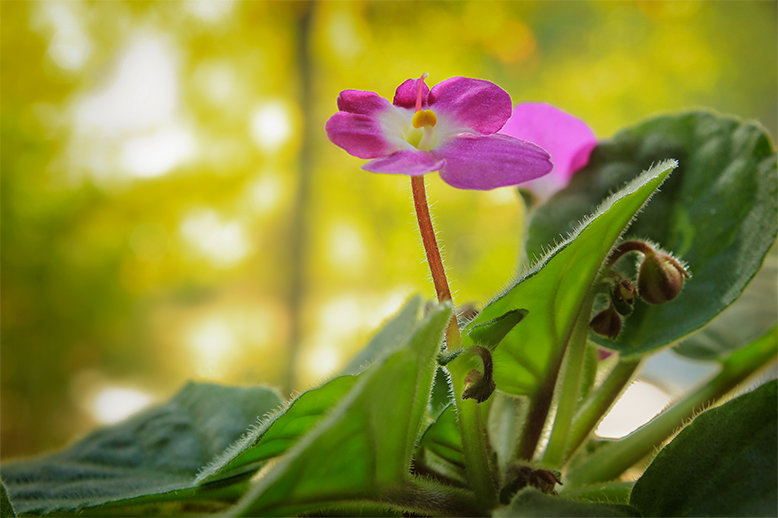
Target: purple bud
607	323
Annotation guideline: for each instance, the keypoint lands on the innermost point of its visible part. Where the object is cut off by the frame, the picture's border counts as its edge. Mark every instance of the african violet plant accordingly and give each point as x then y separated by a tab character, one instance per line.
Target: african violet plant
495	415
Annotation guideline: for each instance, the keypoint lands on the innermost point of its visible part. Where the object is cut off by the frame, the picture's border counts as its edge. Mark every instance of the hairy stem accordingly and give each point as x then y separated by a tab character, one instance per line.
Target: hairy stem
540	401
613	459
629	246
475	442
569	387
539	405
428	238
600	401
470	422
453	338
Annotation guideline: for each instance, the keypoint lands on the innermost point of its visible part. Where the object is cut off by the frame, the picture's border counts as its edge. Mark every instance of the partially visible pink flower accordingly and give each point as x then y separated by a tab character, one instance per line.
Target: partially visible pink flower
451	128
567	139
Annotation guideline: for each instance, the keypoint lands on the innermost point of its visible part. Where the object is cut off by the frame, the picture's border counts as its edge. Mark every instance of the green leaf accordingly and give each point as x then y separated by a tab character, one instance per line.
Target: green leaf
722	464
156	452
591	363
277	432
506	415
609	492
555	288
441	395
363	449
395	331
442	440
491	333
6	509
751	316
719	213
531	502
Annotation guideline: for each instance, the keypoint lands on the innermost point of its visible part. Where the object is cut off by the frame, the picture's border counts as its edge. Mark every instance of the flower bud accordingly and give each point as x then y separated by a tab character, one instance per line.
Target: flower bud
478	386
607	323
623	297
660	278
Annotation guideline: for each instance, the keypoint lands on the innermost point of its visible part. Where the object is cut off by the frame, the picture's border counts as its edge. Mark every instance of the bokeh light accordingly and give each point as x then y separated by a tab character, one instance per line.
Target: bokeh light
637	406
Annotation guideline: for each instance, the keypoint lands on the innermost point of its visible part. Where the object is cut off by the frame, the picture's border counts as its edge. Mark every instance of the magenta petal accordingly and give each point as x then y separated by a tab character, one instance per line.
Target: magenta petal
568	139
405	95
485	163
412	162
362	102
360	135
474	103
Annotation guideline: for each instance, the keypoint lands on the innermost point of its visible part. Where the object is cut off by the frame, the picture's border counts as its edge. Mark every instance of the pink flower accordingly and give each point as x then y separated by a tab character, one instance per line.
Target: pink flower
568	139
451	128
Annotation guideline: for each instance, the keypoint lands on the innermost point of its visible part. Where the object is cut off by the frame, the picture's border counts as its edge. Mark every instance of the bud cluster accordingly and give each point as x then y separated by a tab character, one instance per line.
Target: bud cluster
660	279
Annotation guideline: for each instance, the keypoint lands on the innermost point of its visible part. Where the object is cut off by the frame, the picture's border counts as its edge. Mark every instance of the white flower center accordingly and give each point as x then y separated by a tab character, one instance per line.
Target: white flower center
424	129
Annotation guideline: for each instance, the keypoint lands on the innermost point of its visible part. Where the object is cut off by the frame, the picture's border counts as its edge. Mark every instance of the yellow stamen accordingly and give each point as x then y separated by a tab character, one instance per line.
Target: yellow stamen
424	118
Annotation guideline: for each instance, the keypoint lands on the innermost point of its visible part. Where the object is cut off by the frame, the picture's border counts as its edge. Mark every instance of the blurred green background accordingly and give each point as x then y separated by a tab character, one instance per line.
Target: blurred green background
172	209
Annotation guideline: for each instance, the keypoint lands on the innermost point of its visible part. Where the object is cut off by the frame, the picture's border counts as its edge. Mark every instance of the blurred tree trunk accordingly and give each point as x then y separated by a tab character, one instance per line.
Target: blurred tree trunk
299	222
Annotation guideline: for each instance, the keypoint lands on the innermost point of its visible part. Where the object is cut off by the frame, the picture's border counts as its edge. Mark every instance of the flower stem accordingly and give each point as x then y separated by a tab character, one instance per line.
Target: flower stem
595	407
613	459
428	237
569	387
453	338
541	399
539	405
475	443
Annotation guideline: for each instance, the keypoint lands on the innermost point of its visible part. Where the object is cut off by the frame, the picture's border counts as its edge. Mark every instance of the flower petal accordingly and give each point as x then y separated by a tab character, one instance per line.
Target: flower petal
360	135
405	95
410	162
568	140
474	103
362	102
485	163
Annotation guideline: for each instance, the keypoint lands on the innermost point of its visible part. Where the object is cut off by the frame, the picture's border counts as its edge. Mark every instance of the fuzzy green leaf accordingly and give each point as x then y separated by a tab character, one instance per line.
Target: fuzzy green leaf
441	395
363	448
393	332
751	316
719	213
157	452
277	432
554	289
722	464
442	440
531	502
489	334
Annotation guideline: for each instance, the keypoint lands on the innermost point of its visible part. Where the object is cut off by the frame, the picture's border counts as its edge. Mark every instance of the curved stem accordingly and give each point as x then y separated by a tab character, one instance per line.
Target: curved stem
629	246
